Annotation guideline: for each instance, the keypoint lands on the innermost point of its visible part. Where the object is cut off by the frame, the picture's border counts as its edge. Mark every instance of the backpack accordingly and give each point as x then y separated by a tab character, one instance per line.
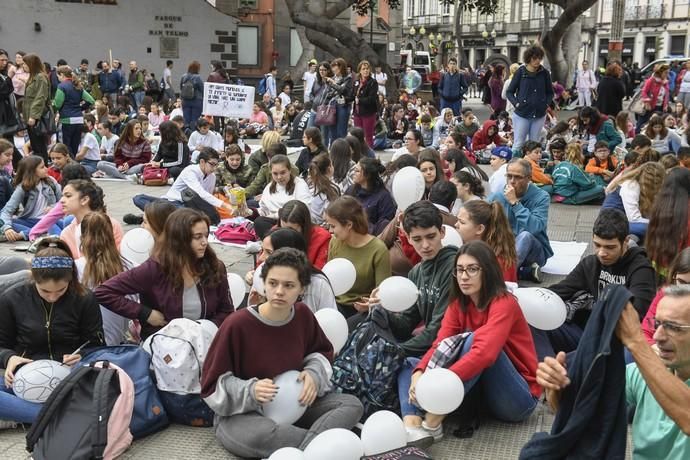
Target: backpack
187	89
152	85
149	413
87	416
262	85
369	363
402	453
237	233
178	352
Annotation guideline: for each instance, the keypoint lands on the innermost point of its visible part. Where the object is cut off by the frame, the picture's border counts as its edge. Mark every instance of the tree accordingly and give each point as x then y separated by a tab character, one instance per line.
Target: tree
483	6
562	42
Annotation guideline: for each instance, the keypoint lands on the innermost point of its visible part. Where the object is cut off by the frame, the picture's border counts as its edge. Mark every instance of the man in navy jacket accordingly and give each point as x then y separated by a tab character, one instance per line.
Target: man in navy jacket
452	88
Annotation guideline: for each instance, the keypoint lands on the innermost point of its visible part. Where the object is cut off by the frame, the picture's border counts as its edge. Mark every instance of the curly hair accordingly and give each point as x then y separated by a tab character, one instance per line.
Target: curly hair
650	176
573	154
289	257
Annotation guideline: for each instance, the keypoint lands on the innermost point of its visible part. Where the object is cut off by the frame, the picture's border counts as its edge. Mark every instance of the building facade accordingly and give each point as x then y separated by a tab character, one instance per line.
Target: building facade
149	32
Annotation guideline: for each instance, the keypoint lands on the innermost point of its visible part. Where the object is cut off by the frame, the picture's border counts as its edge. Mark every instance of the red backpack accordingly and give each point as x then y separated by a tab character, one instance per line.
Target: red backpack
236	233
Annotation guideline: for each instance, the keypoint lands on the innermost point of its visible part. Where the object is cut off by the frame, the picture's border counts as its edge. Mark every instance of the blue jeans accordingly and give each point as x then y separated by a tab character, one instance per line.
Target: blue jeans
24	225
529	250
508	396
138	98
638	229
456	106
404	380
524	128
342	118
141	200
90	165
14	408
191	110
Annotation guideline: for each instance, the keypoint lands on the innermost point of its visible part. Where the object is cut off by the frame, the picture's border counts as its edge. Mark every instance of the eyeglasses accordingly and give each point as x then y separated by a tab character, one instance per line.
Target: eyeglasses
471	270
670	328
409	138
514	177
213	164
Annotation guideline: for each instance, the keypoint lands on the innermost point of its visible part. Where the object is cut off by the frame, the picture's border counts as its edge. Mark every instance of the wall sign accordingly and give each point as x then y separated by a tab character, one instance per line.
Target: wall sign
223	100
169	48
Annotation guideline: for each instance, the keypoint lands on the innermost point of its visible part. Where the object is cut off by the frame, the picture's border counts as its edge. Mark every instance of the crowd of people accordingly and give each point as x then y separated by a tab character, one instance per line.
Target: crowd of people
336	201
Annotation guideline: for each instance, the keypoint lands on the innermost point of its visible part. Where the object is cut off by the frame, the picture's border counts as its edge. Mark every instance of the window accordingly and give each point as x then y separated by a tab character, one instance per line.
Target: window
248	45
296	49
422	8
677	45
249	4
410	9
446	9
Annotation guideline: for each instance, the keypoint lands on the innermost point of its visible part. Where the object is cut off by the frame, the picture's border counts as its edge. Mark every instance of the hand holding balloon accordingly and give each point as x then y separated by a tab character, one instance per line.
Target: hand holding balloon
264	391
12	364
415	378
308	394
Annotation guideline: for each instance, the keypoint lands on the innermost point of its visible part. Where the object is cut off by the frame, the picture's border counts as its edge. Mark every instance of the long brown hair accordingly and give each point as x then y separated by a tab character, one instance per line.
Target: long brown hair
318	168
55	247
497	234
173	250
103	260
348	209
285	161
650	176
127	136
26	173
33	62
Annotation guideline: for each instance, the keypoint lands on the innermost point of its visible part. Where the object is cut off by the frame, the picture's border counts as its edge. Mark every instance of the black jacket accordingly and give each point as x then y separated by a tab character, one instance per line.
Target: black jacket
73	320
591	420
611	92
368	97
633	270
305	157
170	155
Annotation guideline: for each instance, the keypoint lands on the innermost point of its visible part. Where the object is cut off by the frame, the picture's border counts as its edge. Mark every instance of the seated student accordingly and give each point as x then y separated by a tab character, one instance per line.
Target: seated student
299	124
263	174
398	125
358	133
368	188
258	122
500	156
284	186
479	220
200	178
498	354
468	186
35	192
614	262
430	165
240	366
59	158
487	138
443	126
556	153
414	144
423	226
6	188
684	156
571	185
173	153
156	215
531	151
602	165
469	126
426	129
597	127
258	157
443	195
108	141
664	140
527	209
115	118
89	153
183	278
321	186
52	302
79	198
347	222
233	170
296	215
656	385
132	152
319	294
99	261
313	146
204	137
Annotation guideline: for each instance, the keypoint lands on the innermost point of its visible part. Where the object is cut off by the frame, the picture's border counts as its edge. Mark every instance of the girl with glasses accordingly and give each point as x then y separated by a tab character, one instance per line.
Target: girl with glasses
498	354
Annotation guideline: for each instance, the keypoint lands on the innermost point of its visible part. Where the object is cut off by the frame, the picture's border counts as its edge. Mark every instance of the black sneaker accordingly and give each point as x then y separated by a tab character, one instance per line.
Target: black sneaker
132	219
535	272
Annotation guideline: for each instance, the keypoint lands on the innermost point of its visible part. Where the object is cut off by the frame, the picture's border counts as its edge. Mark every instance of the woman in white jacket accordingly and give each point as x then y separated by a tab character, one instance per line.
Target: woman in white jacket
284	186
509	107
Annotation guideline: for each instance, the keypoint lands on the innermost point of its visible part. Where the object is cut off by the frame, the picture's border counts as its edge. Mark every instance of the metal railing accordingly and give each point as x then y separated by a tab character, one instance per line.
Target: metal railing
644	12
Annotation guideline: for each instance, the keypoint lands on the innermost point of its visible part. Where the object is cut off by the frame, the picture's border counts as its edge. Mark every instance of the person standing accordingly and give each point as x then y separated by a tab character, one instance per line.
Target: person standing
585	83
192	92
110	82
530	91
381	79
271	88
452	87
68	99
364	109
341	88
20	77
655	94
167	81
611	91
308	79
498	104
36	97
83	75
135	84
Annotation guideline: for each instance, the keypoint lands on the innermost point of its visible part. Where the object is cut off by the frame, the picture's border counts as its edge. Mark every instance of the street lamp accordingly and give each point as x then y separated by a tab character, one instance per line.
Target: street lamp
417	35
486	34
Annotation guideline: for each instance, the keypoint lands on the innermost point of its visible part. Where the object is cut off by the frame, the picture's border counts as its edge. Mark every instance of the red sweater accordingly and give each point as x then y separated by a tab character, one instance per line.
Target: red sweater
55	174
501	327
317	252
509	272
249	348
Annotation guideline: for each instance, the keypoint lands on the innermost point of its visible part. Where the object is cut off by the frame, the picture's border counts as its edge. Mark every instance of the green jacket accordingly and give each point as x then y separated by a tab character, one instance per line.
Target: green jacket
263	177
257	160
433	278
569	179
225	177
36	97
610	134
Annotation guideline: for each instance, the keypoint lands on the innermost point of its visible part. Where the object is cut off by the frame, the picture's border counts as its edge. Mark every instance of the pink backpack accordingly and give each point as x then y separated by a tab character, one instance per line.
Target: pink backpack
119	436
236	233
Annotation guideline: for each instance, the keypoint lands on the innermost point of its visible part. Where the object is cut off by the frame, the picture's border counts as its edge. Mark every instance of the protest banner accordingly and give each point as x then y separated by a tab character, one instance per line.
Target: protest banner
221	100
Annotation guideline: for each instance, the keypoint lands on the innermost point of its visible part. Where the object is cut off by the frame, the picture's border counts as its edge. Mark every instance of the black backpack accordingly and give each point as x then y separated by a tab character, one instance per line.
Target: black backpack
73	422
187	90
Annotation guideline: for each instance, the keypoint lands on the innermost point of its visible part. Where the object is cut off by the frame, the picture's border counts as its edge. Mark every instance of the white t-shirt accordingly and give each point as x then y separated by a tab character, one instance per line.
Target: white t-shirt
309	79
109	144
381	79
167	76
91	143
285	99
175	112
497	181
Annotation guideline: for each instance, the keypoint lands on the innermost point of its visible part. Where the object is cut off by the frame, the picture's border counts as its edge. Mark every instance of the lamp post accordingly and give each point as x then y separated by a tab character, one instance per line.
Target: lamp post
417	35
486	34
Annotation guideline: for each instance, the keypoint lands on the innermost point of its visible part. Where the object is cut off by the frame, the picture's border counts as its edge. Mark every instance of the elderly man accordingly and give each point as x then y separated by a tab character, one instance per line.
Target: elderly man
657	383
527	209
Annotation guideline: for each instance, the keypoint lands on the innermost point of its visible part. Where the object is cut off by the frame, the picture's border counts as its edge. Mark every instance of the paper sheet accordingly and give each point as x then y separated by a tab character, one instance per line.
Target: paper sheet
566	256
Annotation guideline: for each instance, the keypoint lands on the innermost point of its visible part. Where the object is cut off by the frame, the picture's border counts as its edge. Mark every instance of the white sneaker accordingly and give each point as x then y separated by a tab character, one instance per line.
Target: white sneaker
436	433
418	437
7	425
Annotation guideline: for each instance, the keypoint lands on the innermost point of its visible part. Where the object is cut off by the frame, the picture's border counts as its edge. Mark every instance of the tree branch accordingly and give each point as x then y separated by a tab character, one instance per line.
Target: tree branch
561	3
566	19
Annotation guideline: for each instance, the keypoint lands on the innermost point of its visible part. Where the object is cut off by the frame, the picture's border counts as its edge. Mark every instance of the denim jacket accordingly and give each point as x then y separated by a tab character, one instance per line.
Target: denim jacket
27	200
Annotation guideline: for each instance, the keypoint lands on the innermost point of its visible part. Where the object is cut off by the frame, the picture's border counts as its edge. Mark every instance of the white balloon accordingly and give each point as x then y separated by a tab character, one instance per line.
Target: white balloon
237	289
397	293
258	283
335	444
511	286
334	325
287	453
439	391
341	274
383	431
452	237
136	246
408	186
542	308
35	381
285	408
